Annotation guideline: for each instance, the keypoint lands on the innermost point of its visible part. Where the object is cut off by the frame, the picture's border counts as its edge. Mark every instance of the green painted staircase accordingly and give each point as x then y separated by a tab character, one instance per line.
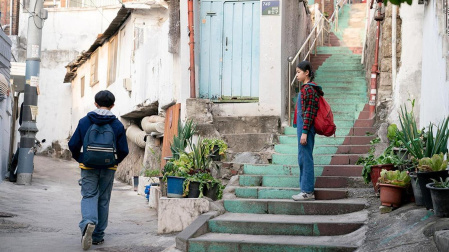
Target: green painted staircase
261	216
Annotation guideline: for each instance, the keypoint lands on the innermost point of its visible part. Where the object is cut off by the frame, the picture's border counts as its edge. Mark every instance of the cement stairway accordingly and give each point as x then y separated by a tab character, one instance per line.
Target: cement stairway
263	217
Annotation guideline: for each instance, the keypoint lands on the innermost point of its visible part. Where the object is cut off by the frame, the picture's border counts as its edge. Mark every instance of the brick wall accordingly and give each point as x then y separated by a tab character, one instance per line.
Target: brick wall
5	18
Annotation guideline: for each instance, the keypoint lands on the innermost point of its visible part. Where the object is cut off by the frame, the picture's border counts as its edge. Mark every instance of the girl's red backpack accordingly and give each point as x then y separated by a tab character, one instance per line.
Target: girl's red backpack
324	120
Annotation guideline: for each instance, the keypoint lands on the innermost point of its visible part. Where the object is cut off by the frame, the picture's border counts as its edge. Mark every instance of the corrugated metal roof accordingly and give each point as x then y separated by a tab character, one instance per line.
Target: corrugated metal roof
115	25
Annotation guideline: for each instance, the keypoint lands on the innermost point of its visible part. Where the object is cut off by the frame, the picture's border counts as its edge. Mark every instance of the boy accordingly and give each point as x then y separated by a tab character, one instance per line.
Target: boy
97	181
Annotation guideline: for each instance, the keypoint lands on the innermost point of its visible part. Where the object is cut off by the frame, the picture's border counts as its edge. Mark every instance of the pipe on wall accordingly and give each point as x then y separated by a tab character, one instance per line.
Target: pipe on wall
136	135
192	49
375	67
393	46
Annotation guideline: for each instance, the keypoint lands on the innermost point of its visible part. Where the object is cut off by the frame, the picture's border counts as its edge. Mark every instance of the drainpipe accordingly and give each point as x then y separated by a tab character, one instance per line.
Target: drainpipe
192	49
375	67
10	17
393	46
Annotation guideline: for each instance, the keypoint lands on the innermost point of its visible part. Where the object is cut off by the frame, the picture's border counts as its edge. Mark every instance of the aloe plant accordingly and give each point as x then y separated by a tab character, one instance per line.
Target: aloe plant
435	163
399	178
418	143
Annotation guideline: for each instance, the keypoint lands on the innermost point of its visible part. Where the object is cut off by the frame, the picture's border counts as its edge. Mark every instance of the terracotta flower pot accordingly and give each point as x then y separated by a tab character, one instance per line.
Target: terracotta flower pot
390	195
375	173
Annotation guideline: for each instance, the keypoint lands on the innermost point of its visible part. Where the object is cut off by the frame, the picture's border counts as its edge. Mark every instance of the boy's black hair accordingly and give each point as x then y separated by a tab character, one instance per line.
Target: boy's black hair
305	65
105	98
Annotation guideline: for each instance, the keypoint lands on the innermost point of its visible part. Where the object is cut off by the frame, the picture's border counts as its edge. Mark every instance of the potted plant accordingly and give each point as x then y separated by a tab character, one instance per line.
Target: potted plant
439	191
393	134
392	184
428	169
216	148
372	166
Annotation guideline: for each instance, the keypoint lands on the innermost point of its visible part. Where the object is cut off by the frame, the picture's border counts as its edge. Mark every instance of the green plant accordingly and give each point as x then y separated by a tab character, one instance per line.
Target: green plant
435	163
152	173
387	157
206	180
210	143
394	136
183	139
399	178
200	157
441	184
419	143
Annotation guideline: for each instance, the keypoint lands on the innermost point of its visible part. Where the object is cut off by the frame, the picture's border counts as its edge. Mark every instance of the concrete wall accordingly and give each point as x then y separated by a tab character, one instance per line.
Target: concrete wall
5	106
146	61
5	130
408	79
435	85
280	37
66	32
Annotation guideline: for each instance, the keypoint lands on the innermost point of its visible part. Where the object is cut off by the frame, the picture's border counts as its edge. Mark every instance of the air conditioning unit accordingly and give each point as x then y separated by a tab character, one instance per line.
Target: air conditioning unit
127	84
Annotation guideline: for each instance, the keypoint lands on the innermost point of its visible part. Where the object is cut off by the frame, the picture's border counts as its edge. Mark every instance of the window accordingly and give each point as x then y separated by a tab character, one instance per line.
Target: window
112	59
94	68
82	86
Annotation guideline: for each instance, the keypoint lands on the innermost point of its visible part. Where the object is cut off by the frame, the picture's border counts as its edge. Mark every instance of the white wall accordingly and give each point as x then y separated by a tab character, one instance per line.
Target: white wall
150	67
408	78
5	125
66	32
270	72
435	87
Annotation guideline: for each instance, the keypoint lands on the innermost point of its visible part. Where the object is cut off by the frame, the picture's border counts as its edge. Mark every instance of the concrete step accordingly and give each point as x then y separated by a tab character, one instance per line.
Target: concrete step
250	142
319	159
288	192
324	149
319	140
270	224
290	207
319	170
362	99
247	124
361	131
213	242
339	182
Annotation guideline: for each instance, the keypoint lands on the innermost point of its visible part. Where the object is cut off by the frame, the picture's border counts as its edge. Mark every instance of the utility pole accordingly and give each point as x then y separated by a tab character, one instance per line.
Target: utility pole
28	128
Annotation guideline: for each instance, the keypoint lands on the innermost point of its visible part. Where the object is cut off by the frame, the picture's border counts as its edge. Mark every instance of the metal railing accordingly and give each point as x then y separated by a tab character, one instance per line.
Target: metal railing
317	31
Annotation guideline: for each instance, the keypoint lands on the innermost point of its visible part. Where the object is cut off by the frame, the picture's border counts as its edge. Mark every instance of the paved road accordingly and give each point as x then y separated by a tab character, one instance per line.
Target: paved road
47	213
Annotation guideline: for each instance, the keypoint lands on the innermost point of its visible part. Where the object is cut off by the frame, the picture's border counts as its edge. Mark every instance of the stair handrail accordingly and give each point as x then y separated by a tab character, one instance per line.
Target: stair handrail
332	21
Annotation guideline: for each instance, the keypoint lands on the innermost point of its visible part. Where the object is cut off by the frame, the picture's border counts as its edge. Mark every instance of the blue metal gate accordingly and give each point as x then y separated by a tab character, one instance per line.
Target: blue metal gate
229	50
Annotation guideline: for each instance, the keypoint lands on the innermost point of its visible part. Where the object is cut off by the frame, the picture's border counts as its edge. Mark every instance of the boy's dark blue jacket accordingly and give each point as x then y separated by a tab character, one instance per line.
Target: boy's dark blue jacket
76	142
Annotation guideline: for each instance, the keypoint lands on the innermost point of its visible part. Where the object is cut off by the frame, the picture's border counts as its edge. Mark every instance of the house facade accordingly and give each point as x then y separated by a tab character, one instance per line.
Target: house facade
6	114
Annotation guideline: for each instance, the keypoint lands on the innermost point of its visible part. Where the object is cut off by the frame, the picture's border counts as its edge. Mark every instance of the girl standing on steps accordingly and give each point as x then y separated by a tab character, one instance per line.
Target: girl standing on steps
307	108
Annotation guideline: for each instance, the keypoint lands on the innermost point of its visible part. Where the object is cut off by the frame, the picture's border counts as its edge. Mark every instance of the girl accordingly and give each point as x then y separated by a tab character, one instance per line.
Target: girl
307	107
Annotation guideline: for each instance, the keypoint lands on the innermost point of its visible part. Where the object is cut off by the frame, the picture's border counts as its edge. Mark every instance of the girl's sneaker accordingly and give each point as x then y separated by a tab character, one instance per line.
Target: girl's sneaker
304	196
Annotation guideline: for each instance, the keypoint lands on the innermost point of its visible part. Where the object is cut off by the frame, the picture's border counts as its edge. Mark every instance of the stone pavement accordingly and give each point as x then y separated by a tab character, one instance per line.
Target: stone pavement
46	214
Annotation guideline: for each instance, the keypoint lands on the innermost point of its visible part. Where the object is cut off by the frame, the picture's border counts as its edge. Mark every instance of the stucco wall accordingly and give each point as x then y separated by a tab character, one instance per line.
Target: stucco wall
408	78
66	32
435	87
280	37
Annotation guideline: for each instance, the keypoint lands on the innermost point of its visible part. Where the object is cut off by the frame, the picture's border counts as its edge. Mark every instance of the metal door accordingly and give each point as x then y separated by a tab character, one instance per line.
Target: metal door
229	54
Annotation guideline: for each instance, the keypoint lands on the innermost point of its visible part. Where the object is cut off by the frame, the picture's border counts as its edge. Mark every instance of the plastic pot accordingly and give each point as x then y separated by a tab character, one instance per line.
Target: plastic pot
194	189
425	178
416	189
215	155
175	186
391	195
211	191
375	174
440	200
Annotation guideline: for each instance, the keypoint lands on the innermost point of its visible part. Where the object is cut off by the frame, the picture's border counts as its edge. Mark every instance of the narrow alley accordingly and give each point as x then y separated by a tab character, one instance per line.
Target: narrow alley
45	216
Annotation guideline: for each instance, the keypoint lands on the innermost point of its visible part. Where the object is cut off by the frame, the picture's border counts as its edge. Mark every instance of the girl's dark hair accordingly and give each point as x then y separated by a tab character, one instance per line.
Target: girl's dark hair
305	65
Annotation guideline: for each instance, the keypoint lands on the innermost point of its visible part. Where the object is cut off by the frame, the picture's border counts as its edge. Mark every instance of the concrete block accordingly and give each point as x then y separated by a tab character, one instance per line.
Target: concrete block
197	228
442	240
155	195
144	181
175	214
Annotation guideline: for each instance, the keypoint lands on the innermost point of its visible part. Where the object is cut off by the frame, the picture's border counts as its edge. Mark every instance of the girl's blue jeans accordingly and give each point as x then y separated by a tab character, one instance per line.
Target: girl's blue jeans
305	155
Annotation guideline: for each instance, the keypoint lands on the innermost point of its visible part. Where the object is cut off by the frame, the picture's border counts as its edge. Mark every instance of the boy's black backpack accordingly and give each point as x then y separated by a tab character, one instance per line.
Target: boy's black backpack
99	146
